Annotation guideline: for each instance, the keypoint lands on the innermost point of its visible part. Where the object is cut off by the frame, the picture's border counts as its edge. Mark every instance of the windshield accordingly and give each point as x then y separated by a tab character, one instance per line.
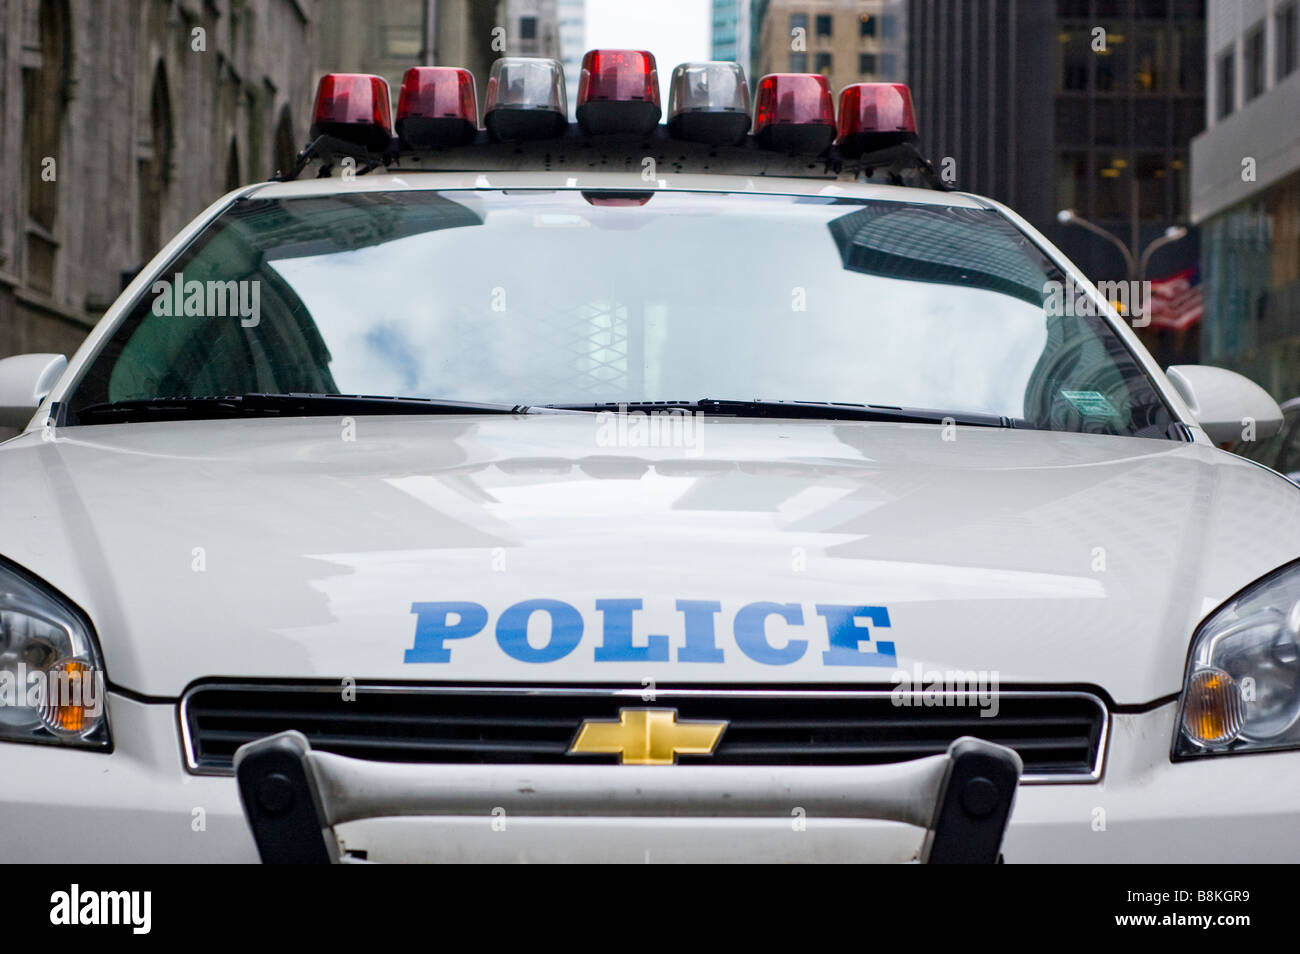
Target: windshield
565	297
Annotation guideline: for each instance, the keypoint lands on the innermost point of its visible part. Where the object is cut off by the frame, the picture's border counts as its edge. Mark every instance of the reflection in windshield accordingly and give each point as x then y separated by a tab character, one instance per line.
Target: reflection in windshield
956	246
544	297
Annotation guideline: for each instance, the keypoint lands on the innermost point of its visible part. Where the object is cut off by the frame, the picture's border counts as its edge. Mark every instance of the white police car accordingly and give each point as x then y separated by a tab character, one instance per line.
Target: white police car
620	491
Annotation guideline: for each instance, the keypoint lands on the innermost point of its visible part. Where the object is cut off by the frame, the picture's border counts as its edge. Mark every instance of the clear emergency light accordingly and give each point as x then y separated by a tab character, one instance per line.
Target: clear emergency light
708	102
525	99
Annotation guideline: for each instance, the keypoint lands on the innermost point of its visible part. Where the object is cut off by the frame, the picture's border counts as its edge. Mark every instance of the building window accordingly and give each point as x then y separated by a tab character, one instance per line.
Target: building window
155	167
888	26
1076	56
43	110
1152	180
233	178
286	149
824	24
1151	72
1151	123
799	21
889	67
1072	121
866	25
1253	63
1072	182
1112	64
798	62
1227	84
867	64
44	92
1111	193
1190	50
401	41
822	64
1287	53
528	28
1189	119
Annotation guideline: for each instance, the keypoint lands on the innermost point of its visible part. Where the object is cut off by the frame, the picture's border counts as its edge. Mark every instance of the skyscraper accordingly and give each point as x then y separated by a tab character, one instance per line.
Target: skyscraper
730	32
1087	105
1245	193
572	15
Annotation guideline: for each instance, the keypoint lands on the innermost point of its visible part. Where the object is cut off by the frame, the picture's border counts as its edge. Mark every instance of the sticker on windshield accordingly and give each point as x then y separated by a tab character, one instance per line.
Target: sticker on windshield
1090	403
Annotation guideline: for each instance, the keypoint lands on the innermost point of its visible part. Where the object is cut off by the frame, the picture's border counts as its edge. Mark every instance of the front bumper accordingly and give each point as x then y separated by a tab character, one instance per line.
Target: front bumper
140	804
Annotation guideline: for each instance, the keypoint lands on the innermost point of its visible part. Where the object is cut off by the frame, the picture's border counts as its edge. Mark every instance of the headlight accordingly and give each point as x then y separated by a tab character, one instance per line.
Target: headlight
1243	679
52	686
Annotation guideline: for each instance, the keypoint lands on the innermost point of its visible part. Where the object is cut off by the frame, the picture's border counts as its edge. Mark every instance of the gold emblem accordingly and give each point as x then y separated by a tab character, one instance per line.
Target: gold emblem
647	737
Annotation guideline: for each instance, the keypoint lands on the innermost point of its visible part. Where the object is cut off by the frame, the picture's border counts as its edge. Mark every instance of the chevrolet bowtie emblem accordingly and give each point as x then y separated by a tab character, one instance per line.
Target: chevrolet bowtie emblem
647	737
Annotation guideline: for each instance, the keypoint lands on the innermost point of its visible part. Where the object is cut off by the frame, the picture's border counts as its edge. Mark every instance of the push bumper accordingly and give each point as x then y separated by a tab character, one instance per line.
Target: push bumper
296	799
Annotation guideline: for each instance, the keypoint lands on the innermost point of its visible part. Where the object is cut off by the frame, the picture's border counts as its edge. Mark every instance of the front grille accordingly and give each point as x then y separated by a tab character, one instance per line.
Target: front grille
1059	735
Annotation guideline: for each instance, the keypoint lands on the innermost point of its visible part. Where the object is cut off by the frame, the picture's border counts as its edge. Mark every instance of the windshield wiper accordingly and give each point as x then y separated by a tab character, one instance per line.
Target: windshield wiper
277	405
807	410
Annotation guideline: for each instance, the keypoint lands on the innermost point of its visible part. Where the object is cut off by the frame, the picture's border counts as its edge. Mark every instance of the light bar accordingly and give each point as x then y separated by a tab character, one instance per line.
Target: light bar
874	116
709	103
618	92
793	112
355	108
437	107
525	99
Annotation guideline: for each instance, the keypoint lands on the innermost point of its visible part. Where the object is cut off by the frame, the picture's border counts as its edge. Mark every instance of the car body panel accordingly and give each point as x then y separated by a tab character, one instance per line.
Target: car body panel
285	550
1282	452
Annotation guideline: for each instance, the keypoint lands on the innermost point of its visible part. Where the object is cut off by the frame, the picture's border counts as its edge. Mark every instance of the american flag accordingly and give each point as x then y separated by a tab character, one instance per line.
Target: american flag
1176	300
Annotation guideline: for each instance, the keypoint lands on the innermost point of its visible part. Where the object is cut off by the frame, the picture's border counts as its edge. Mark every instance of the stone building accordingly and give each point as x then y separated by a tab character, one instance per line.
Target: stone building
122	119
387	37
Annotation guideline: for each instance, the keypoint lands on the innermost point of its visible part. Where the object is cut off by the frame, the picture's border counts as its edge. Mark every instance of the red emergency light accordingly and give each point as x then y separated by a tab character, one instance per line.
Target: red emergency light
355	108
874	116
793	112
437	107
618	92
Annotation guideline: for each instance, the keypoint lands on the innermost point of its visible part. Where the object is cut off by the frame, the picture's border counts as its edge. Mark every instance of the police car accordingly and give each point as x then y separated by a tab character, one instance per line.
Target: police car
726	488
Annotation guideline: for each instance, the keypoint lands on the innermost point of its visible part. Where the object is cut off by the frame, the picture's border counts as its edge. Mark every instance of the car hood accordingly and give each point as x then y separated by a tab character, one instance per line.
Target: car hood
312	548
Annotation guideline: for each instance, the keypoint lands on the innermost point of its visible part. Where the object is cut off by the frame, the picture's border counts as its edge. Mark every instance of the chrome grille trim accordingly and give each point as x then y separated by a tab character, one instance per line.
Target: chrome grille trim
661	696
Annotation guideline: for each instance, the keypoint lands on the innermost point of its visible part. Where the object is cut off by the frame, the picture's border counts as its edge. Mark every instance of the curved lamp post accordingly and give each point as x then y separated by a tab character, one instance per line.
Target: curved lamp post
1137	267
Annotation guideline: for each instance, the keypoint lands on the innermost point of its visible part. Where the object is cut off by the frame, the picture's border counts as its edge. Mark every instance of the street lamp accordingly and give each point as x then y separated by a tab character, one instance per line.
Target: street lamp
1172	234
1137	267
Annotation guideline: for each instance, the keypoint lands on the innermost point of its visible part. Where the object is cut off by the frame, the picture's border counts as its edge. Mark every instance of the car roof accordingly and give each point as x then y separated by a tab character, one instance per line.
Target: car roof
400	181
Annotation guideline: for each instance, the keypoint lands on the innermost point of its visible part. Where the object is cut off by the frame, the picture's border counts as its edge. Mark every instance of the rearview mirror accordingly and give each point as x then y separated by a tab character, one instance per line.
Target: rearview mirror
25	379
1225	403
